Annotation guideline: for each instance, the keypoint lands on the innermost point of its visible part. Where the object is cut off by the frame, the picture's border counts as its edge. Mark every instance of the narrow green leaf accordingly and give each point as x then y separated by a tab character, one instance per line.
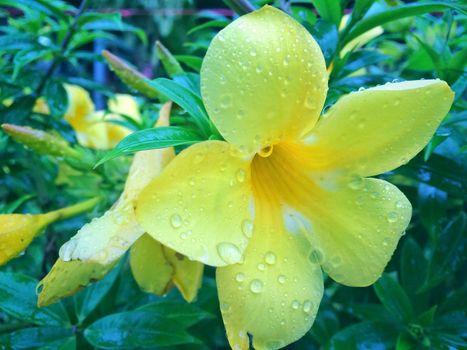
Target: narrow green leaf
326	34
18	298
330	10
56	97
170	63
413	266
135	329
217	23
161	137
89	298
33	338
365	335
186	99
194	62
394	298
395	13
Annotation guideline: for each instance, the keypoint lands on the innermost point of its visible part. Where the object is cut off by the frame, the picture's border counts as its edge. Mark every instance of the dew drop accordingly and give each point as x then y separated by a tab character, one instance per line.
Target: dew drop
241	175
247	228
295	304
256	286
316	257
281	279
261	267
307	305
253	52
199	158
399	204
176	220
392	217
239	277
226	101
270	258
229	252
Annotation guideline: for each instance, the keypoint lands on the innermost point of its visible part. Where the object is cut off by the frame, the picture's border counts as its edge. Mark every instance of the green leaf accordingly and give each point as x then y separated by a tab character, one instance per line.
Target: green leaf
395	13
371	312
330	10
186	99
18	111
325	326
183	314
413	266
136	329
18	298
47	337
161	137
217	23
449	253
325	33
455	301
394	298
89	298
115	24
56	97
194	62
454	323
170	63
363	336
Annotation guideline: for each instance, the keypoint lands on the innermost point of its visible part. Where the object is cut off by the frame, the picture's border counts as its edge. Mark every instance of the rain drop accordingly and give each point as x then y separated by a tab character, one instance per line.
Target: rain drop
176	220
270	258
256	286
261	267
295	304
241	175
307	305
392	217
240	277
281	279
356	183
229	252
247	228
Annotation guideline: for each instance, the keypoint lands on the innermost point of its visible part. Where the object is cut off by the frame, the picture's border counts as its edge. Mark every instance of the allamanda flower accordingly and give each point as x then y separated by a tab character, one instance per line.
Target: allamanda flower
288	195
98	245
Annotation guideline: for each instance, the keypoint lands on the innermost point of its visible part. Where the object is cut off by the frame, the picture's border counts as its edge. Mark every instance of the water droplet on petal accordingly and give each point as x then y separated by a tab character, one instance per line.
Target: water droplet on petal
256	286
241	175
307	305
270	258
261	267
295	304
247	228
392	217
356	183
229	252
240	277
176	220
281	279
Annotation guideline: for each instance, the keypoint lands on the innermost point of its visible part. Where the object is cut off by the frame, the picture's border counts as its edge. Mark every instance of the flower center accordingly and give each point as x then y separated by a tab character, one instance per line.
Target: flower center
266	151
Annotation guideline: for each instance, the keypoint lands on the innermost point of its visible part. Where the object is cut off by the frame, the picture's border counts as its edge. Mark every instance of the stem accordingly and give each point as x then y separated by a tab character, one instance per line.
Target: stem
72	210
58	59
240	6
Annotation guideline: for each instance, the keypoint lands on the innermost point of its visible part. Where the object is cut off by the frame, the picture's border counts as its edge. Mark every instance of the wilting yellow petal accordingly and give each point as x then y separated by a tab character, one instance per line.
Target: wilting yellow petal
18	230
118	105
275	292
198	206
149	266
67	278
263	79
376	130
106	238
187	275
353	223
80	106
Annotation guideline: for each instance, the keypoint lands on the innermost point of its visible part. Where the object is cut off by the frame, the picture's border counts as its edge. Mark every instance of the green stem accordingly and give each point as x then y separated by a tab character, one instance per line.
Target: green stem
72	210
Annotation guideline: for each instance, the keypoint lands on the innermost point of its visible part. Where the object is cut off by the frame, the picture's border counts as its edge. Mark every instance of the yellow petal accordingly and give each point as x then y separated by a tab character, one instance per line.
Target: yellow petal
360	40
187	274
263	79
275	293
126	105
67	278
104	239
353	223
198	206
18	230
147	165
376	130
356	228
150	268
92	131
80	106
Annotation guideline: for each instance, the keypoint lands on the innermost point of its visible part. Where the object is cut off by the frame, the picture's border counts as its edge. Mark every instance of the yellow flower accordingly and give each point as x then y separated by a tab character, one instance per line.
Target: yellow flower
288	194
18	230
93	128
98	245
